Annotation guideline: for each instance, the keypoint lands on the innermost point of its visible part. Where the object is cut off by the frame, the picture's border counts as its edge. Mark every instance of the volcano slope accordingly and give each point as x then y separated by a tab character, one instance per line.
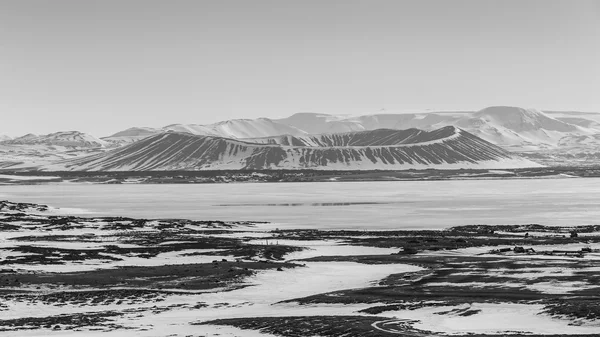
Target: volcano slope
445	148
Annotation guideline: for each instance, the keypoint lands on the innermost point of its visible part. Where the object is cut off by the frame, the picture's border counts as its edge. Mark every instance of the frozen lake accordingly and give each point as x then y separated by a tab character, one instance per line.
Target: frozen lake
355	205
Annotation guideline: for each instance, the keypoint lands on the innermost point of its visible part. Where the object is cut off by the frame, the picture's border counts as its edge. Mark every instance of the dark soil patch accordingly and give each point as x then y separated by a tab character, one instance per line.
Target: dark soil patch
188	276
450	279
588	308
61	322
90	297
347	326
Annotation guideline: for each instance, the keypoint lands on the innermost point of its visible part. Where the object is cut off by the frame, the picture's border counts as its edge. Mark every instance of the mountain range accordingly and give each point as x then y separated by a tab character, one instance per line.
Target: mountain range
514	128
550	137
237	128
383	149
511	127
63	138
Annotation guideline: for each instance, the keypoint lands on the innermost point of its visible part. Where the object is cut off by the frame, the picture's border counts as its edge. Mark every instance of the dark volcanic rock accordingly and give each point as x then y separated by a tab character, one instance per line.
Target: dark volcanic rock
377	149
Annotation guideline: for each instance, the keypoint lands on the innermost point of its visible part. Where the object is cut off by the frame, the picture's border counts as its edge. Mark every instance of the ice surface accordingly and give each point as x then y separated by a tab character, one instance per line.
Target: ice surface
14	177
394	205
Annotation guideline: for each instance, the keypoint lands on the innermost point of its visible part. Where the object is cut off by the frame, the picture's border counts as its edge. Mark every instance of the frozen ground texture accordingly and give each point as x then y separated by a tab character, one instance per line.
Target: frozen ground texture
75	276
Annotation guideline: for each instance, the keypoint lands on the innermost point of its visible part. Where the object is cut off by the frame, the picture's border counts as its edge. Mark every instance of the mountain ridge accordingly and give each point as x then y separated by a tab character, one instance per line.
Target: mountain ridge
527	131
449	147
511	127
235	128
61	138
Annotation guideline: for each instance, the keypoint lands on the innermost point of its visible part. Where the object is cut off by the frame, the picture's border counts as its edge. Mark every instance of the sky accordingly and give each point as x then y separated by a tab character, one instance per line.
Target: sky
103	66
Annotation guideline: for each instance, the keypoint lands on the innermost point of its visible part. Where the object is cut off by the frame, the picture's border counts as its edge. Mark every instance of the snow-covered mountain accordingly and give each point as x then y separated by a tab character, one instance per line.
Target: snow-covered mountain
557	134
238	128
74	139
580	121
522	120
4	138
235	128
41	150
29	138
445	148
511	127
402	121
316	123
29	156
519	128
131	135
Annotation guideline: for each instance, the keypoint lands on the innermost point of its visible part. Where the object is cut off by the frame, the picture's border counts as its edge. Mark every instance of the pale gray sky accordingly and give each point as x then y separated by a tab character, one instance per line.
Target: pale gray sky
102	66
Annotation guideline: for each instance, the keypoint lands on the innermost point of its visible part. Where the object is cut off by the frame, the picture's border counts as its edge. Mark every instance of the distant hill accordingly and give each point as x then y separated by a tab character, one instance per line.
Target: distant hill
518	127
42	150
236	128
131	135
511	127
64	138
316	123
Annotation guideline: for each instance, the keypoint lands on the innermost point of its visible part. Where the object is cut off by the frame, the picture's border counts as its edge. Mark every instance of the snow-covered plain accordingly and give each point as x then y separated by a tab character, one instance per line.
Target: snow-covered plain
268	294
15	177
259	298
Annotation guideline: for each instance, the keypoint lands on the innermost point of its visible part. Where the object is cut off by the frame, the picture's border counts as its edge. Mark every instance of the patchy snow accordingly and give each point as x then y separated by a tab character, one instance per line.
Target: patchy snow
259	298
531	272
485	251
273	286
314	248
270	287
242	234
559	287
163	329
68	211
494	318
475	284
177	257
62	138
550	287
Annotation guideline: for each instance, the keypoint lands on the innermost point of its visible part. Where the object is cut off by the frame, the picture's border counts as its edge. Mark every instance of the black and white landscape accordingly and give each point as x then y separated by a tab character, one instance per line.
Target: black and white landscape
299	168
492	138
